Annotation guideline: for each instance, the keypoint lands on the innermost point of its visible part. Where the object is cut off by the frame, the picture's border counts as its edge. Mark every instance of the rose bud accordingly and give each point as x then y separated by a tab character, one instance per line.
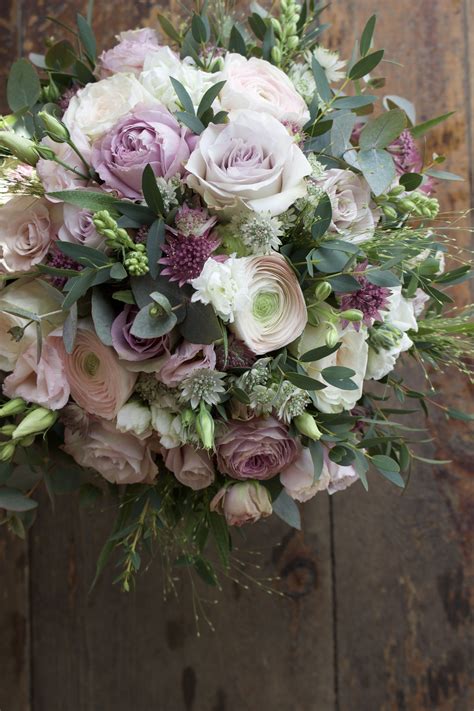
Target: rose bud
245	502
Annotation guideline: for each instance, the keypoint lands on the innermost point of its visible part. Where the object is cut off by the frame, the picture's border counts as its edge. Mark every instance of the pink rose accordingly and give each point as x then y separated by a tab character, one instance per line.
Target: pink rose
245	502
340	477
191	467
299	481
120	458
53	176
27	230
99	383
79	228
187	358
43	382
256	449
129	54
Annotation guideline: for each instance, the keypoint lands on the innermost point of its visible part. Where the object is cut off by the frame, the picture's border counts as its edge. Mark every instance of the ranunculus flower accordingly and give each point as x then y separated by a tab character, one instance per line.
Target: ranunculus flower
131	347
251	162
276	312
351	354
43	382
144	136
79	228
258	85
27	229
256	449
128	56
134	417
164	63
99	105
187	358
190	466
120	458
299	481
245	502
99	383
29	295
352	214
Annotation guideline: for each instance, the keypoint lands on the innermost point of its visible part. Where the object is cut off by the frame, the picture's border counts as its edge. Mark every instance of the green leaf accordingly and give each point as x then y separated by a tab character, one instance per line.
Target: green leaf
443	174
240	395
237	42
87	199
209	97
344	283
151	191
319	353
389	468
199	29
361	466
422	128
221	537
410	181
183	96
382	278
341	132
168	28
201	324
80	285
317	455
378	169
304	381
140	214
367	34
191	121
322	217
103	315
87	38
154	242
329	260
14	500
61	56
365	65
205	571
23	87
339	377
70	329
354	102
322	84
257	25
383	130
286	509
125	296
268	43
84	255
146	326
118	271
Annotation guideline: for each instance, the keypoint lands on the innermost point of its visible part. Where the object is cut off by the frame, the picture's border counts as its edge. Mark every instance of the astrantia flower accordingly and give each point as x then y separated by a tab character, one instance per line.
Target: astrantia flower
185	256
60	261
203	384
290	401
194	221
331	63
275	313
369	299
224	285
238	355
260	233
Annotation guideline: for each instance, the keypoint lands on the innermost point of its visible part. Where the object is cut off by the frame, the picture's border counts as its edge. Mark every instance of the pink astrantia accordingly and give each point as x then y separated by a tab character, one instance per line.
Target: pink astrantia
185	256
369	299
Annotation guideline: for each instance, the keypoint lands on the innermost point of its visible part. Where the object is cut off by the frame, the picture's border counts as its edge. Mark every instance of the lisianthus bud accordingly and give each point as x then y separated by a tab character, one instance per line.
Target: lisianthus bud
13	407
306	424
26	441
187	417
7	430
322	291
55	129
205	426
38	420
22	148
389	212
352	315
7	451
332	336
276	54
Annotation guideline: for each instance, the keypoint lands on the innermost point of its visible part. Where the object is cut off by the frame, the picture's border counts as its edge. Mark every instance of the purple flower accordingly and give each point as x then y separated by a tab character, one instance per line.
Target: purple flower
60	261
369	299
256	449
130	347
129	54
185	256
79	228
194	221
407	158
238	355
146	136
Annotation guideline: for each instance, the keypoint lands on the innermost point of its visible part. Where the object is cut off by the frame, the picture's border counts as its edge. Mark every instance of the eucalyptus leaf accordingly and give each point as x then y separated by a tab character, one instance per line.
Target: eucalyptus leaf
154	243
191	121
286	509
13	500
147	326
322	217
87	38
183	96
365	65
320	78
319	353
382	278
420	129
304	381
103	315
23	86
82	254
383	130
70	329
378	169
86	199
317	455
151	191
367	35
200	324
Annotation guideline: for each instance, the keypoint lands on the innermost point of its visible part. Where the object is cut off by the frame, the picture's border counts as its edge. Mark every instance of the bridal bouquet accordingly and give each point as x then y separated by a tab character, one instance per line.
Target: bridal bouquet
212	255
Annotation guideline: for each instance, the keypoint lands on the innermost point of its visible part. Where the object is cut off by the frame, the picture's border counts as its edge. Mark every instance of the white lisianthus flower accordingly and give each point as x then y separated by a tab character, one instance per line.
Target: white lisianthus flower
352	353
224	285
401	311
162	64
382	359
275	314
169	427
331	63
251	162
134	417
98	106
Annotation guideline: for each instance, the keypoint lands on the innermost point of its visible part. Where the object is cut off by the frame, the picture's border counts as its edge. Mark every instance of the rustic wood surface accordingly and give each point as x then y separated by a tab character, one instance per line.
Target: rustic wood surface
377	608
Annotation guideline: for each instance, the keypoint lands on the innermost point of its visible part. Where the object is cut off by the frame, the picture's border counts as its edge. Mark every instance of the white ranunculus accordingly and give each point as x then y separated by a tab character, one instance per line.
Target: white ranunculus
134	417
30	296
98	106
258	85
381	361
352	354
251	162
352	215
224	285
401	311
162	64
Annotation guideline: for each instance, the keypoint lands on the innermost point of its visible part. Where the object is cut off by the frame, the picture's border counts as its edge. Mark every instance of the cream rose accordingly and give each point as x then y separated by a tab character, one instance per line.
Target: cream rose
98	106
99	383
258	85
299	481
27	229
28	295
251	162
245	502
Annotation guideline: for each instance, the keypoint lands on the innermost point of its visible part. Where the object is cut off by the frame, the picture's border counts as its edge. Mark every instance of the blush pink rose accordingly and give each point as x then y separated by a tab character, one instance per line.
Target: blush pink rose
27	230
256	449
43	382
99	383
299	481
129	54
120	458
245	502
190	466
55	177
187	358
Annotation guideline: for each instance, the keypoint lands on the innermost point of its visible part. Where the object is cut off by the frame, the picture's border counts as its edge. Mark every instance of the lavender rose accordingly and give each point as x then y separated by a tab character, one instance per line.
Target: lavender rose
191	467
145	136
130	347
245	502
256	449
129	54
79	228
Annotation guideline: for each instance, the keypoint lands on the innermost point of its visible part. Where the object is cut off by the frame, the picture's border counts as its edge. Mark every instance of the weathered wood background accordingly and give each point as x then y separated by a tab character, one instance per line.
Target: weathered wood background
377	612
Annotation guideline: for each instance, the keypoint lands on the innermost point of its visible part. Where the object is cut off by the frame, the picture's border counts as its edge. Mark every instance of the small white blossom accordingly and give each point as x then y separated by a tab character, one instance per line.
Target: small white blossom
134	417
331	63
224	285
203	384
260	232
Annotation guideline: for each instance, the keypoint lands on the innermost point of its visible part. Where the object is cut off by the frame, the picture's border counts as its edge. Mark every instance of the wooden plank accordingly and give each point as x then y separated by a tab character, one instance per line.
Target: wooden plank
403	563
116	651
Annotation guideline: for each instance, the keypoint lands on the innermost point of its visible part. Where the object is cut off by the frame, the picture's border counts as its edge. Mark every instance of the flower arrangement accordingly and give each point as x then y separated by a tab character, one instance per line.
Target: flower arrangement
212	256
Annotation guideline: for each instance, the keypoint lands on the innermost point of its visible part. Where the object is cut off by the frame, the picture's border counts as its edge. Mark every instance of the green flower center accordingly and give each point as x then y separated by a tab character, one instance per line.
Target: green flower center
91	364
266	305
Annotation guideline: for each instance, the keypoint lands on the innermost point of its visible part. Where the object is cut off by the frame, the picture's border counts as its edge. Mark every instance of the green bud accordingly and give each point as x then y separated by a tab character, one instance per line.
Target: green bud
156	311
276	54
332	336
205	426
351	315
291	29
407	205
22	148
55	129
389	212
38	420
397	190
187	417
292	42
45	152
306	424
7	430
7	451
322	291
13	407
276	25
26	441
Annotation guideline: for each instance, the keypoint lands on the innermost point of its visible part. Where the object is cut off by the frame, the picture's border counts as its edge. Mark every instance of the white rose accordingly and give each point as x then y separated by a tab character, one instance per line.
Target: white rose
401	311
251	162
298	478
340	477
258	85
351	354
98	106
381	361
134	417
224	285
159	66
29	295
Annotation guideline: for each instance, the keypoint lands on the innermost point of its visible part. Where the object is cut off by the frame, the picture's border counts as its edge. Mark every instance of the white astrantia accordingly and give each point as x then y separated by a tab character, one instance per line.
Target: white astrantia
134	417
224	285
330	62
203	384
259	232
